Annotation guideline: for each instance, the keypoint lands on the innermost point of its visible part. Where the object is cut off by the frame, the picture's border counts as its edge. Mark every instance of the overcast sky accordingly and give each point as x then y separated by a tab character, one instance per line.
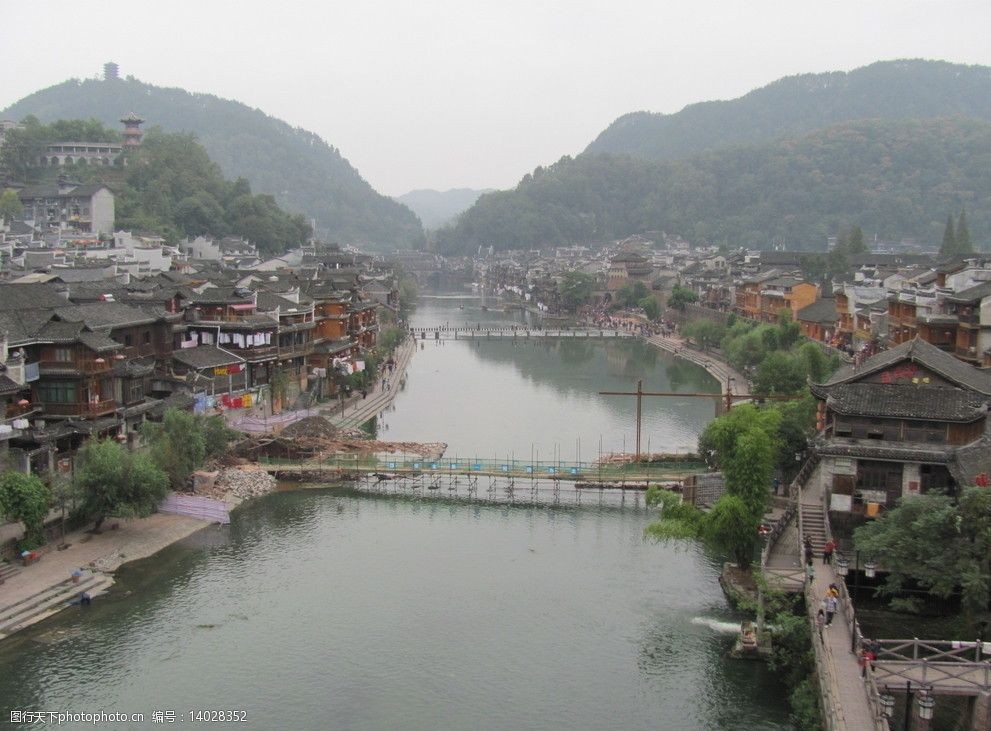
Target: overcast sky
460	93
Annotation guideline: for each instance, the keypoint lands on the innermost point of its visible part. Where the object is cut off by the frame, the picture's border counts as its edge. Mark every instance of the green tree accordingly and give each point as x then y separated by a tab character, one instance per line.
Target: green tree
789	331
814	362
681	297
216	435
706	333
963	242
748	469
731	526
719	439
940	543
115	482
855	242
176	445
650	307
778	374
949	245
25	498
576	289
10	205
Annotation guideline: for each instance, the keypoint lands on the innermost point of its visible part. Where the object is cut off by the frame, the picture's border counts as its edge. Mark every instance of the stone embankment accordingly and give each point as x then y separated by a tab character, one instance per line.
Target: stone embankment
719	369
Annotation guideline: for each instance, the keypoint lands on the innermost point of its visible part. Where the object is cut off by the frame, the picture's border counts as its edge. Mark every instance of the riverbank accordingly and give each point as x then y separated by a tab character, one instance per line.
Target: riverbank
33	593
717	368
357	410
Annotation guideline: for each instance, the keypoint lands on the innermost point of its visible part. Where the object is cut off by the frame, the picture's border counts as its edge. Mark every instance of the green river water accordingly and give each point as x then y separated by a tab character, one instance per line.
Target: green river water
336	609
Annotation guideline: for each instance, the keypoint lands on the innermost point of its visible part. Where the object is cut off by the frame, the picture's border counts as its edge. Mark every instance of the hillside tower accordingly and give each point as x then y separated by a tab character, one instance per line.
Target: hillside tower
111	71
132	131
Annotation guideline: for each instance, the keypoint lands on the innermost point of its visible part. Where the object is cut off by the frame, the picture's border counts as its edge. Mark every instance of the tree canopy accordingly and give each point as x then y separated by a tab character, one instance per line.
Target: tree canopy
115	482
893	179
941	543
25	498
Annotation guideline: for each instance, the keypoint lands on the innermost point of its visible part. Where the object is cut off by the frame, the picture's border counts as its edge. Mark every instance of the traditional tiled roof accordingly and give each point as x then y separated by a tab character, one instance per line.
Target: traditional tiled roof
9	386
868	449
970	461
98	342
822	310
904	402
29	297
205	356
105	315
919	351
971	294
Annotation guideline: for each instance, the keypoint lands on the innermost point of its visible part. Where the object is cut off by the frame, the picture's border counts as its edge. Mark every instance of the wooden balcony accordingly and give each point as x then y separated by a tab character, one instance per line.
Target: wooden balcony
83	410
78	367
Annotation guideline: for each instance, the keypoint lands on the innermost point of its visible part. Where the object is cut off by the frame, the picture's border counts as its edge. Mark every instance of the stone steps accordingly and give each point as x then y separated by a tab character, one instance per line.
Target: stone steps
8	570
36	607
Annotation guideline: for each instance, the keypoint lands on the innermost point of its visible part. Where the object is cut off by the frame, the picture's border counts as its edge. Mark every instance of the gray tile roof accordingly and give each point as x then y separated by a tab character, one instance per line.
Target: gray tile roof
894	401
822	310
98	342
29	297
105	315
205	356
919	351
971	294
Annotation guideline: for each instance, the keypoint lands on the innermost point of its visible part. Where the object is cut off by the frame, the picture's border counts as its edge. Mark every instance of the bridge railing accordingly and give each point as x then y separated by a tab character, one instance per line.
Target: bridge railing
639	472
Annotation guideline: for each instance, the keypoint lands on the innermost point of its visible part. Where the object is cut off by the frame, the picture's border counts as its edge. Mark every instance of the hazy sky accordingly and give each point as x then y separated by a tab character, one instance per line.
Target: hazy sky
459	93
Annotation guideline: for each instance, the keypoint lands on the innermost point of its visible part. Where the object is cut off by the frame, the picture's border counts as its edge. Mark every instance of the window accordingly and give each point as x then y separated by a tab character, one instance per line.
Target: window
147	337
57	392
135	390
128	341
63	355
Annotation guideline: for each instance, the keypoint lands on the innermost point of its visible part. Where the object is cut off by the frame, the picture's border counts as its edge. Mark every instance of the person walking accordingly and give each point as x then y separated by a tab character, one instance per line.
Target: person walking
820	622
809	553
832	603
827	552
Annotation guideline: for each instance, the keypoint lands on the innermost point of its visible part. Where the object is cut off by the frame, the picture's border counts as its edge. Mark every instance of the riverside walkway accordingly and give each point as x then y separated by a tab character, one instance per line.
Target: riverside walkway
853	699
357	410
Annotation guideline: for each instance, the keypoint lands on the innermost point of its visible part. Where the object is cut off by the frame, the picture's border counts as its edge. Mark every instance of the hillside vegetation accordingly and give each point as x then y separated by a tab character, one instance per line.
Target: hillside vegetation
302	172
894	179
168	186
796	105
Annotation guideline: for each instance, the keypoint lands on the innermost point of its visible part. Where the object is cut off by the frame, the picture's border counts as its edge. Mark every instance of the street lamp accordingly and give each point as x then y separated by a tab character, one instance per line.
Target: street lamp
926	705
887	702
842	566
870	569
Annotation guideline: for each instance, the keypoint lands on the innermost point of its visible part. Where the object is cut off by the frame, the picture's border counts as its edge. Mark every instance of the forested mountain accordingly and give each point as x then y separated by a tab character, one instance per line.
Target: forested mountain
302	172
893	179
436	207
796	105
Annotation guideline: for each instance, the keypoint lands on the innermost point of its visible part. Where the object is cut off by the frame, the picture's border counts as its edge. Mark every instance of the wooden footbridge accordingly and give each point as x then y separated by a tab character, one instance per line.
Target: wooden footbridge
486	332
631	475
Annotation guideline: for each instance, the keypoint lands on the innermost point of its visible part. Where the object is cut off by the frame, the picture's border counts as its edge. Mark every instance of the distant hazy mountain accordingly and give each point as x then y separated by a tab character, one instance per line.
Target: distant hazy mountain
795	105
892	178
436	207
304	173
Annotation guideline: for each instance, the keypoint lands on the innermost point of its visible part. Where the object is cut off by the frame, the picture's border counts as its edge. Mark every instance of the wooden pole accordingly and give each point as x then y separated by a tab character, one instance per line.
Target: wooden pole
639	413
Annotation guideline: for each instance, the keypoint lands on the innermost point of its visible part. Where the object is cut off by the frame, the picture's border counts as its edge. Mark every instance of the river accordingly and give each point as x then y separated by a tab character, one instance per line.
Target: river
333	609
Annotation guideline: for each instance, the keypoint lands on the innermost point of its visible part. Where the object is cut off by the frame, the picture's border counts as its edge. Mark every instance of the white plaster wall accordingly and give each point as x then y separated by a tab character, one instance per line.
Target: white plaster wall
910	474
102	212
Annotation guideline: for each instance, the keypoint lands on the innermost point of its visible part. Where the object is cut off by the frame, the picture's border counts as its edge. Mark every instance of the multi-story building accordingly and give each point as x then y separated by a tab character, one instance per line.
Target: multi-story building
68	205
784	293
909	420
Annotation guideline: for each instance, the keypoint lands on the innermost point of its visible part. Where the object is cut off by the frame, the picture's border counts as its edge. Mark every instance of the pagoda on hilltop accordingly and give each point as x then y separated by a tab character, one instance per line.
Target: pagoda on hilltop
132	131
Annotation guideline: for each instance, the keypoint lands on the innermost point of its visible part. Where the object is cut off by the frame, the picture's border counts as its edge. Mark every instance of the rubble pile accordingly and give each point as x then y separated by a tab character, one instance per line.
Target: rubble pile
244	483
312	427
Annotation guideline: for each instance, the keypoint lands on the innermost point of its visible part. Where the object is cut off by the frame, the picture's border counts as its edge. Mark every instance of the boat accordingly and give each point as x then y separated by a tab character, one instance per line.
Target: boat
746	644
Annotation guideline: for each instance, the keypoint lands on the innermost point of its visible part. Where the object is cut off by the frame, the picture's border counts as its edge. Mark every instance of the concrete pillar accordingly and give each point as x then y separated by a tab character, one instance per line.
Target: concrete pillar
980	715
